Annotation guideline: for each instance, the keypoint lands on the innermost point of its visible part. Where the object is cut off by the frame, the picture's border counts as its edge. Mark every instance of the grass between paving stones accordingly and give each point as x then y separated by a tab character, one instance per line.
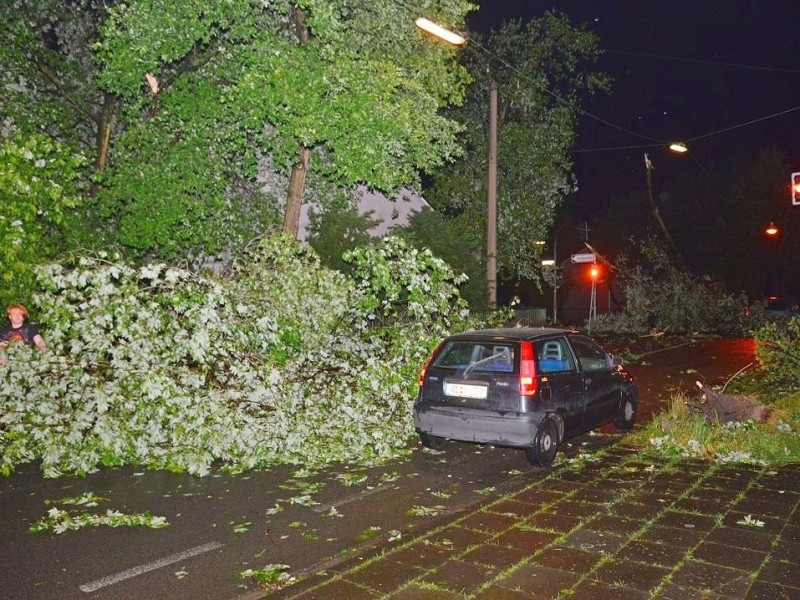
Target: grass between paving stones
563	474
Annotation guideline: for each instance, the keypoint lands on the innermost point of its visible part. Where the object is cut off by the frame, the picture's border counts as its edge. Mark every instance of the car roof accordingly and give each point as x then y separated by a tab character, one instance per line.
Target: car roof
510	333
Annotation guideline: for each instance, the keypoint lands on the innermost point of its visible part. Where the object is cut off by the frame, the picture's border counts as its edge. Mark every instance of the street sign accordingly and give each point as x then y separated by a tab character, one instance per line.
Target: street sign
584	257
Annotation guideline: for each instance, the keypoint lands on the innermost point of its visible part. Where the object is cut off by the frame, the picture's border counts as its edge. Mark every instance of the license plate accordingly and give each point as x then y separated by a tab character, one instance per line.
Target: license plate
464	390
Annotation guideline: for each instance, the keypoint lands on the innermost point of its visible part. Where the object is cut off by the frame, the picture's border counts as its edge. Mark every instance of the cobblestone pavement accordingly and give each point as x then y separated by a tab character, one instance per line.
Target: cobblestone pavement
608	525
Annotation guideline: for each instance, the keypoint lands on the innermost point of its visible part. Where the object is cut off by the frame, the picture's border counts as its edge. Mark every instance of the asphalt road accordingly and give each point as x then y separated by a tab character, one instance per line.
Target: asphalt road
223	524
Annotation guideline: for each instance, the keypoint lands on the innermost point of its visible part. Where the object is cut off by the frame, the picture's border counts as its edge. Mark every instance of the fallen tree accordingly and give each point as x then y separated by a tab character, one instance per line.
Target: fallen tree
727	408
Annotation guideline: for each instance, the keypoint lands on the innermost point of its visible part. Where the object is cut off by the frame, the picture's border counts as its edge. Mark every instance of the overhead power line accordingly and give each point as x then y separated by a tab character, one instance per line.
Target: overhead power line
704	62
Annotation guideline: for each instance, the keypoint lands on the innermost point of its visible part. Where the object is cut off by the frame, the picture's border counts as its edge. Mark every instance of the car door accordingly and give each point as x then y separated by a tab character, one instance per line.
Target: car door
601	381
560	384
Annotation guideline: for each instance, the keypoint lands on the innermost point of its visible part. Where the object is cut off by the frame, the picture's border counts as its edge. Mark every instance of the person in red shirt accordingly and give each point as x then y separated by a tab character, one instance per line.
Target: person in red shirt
19	330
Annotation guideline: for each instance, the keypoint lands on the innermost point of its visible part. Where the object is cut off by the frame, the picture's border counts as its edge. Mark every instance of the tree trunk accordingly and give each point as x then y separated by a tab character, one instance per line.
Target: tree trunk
105	122
297	182
726	408
648	167
294	199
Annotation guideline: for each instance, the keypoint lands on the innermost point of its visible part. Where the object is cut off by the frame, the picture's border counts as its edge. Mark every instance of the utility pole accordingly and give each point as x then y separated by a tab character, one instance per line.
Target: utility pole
491	208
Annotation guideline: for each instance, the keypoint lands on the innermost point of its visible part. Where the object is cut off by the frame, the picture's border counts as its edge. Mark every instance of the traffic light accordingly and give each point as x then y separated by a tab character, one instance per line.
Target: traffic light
796	188
594	272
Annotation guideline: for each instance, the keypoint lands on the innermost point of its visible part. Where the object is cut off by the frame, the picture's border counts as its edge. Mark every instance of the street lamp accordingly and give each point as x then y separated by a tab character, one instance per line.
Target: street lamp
440	32
771	230
678	147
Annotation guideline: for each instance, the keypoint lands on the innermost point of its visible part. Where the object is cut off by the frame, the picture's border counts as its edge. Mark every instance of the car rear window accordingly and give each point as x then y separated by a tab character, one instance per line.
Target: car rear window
553	356
478	356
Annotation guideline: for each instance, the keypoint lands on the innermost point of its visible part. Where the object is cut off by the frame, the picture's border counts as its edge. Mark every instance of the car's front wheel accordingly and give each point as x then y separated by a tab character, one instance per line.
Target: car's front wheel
627	411
545	444
434	442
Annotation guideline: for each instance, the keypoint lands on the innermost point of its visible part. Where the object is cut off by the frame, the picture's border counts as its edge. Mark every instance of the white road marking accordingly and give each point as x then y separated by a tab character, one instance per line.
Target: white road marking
93	586
352	498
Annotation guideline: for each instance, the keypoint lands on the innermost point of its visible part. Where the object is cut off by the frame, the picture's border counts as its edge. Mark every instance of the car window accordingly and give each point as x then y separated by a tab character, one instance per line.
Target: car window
553	356
591	356
478	356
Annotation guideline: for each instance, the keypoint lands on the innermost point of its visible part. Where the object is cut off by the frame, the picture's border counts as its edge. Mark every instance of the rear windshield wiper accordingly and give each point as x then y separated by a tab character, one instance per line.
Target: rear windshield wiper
480	362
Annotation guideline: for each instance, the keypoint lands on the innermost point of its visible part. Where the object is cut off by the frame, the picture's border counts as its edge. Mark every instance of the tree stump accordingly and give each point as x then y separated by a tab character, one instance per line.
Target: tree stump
727	408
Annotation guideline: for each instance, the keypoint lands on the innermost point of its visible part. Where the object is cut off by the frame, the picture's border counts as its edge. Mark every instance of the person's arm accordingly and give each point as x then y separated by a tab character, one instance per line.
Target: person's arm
40	343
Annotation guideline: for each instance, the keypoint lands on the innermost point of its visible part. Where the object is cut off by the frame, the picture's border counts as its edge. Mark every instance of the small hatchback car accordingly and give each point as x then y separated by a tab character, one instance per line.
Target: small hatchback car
528	388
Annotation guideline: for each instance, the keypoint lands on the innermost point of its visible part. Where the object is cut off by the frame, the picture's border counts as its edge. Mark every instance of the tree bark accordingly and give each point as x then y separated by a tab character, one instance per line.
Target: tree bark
294	199
297	181
105	121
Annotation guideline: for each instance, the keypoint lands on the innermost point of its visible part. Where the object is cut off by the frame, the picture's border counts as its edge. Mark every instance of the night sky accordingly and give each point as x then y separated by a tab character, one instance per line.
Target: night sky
705	82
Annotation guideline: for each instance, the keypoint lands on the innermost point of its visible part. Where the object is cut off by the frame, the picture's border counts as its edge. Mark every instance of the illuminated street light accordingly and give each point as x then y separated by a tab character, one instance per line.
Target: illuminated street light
678	147
548	263
440	32
771	230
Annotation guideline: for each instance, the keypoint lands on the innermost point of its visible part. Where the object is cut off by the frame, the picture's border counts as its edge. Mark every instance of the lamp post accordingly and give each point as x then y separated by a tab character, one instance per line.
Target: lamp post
552	266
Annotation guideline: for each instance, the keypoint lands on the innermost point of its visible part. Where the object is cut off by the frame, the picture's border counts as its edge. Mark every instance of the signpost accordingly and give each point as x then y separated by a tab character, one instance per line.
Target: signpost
583	257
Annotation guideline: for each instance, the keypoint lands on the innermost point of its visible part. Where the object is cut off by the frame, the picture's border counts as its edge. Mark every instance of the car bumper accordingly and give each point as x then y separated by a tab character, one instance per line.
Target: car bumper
474	425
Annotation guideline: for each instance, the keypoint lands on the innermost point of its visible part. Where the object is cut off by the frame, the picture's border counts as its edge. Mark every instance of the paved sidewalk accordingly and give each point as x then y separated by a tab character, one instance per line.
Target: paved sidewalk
605	525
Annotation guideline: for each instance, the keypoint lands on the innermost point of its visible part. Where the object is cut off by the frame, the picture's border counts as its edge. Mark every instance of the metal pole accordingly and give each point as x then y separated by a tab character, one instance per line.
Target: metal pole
491	209
555	277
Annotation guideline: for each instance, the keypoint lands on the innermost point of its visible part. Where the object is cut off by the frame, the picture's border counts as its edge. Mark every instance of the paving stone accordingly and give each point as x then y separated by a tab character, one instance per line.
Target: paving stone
512	507
781	573
338	589
496	592
683	537
553	522
383	575
739	537
525	539
575	509
633	510
460	577
681	520
723	580
679	592
595	495
663	555
785	551
414	592
728	556
724	496
599	542
539	496
770	525
786	478
491	523
619	525
565	558
629	574
779	510
703	506
423	555
595	590
768	494
791	534
458	538
538	581
499	557
766	591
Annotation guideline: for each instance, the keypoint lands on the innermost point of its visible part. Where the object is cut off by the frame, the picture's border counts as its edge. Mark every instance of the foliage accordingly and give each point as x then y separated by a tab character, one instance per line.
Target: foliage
283	362
660	295
38	186
540	70
240	91
336	230
682	433
456	244
59	521
778	353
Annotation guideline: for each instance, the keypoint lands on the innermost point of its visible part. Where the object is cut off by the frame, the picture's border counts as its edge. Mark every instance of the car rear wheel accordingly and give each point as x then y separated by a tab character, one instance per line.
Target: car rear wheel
434	442
627	412
545	445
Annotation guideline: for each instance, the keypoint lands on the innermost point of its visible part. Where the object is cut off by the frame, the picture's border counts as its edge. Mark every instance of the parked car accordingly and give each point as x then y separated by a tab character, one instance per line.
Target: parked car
528	388
782	307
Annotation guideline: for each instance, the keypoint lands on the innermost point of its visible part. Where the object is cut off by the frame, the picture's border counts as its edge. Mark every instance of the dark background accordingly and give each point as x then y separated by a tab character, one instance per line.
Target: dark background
682	70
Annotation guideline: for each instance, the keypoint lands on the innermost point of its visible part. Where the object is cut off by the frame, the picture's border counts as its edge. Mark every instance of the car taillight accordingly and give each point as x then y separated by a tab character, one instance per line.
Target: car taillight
427	363
527	372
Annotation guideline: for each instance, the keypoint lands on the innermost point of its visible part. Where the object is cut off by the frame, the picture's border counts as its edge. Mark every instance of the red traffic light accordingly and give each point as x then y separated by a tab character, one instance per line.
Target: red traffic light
594	272
796	188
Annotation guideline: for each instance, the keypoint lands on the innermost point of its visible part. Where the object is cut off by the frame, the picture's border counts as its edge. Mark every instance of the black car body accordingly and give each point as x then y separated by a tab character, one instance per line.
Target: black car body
529	388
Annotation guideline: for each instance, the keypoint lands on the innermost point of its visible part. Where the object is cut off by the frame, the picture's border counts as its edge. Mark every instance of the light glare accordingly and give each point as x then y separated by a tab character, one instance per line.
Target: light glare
440	32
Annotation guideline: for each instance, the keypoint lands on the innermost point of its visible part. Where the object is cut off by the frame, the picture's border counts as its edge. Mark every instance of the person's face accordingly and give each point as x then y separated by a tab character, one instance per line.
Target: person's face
16	317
